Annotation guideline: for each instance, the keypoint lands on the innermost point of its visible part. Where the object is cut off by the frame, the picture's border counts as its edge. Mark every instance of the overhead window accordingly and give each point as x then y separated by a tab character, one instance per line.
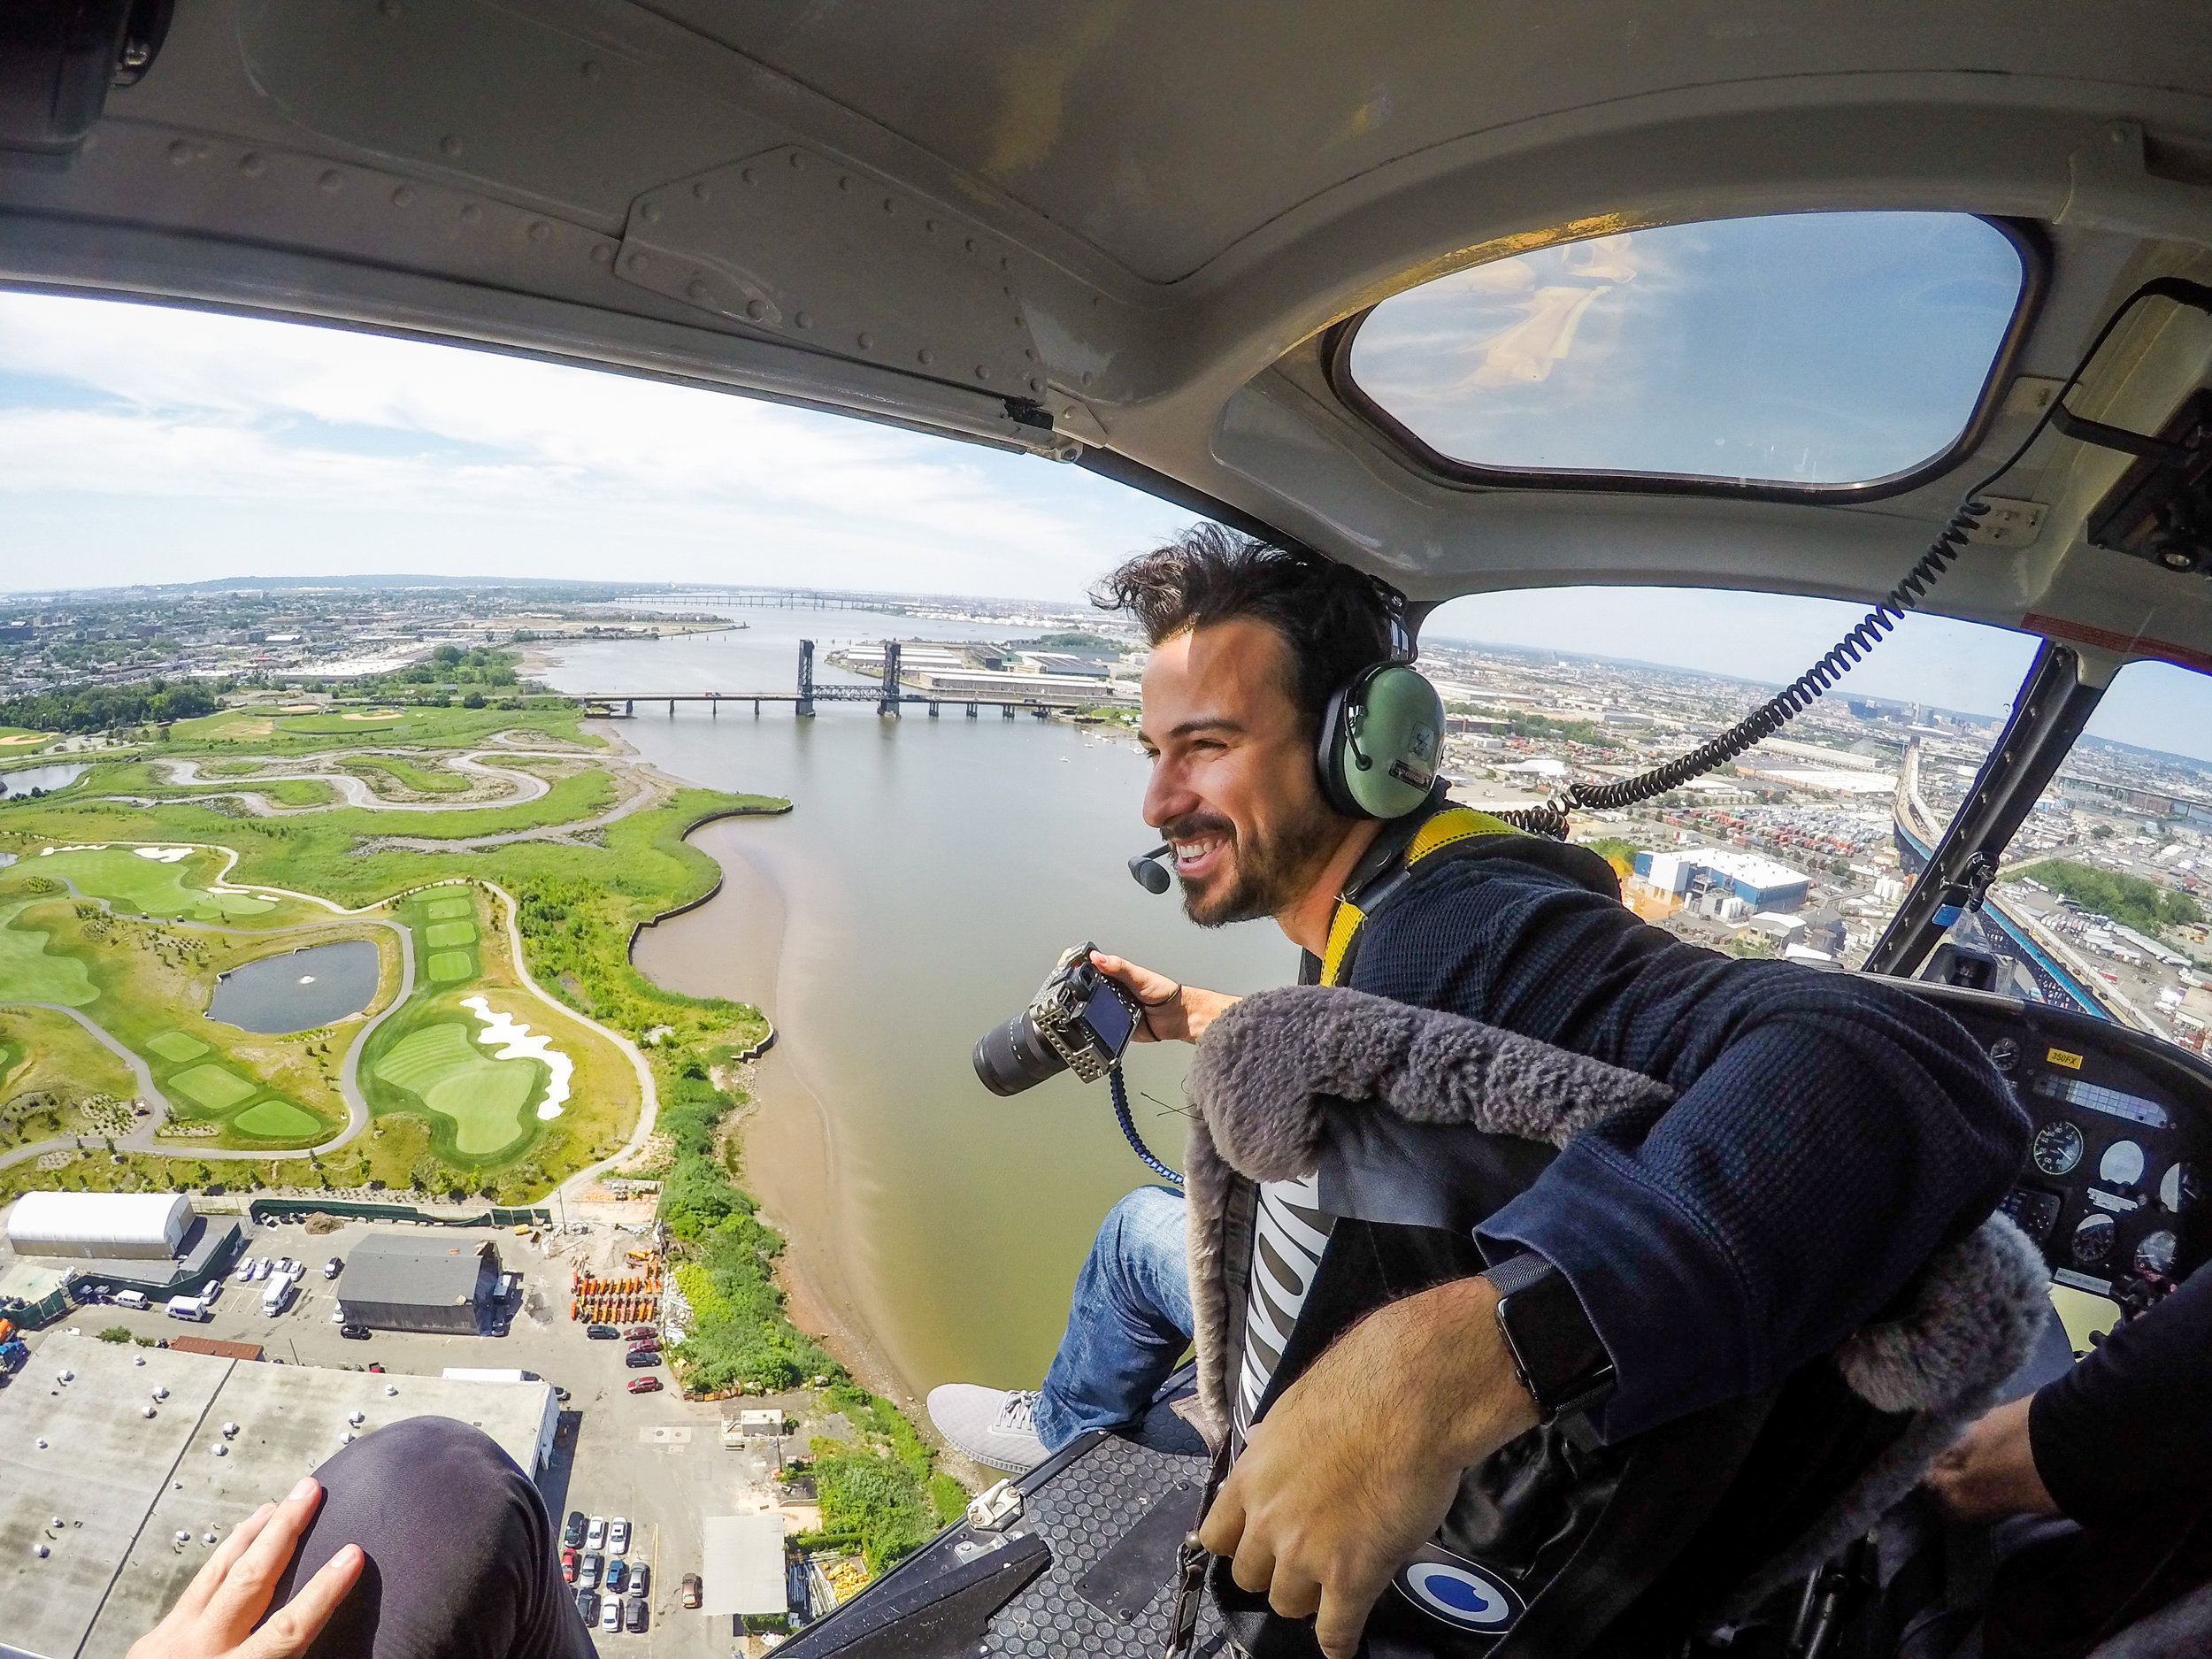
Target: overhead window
1803	352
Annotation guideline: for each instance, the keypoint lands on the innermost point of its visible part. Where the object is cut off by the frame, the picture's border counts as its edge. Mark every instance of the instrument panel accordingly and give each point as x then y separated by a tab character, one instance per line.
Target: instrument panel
2112	1189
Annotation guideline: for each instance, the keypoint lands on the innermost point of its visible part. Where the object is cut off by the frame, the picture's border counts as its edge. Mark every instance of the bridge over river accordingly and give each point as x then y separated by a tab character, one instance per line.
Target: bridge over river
889	696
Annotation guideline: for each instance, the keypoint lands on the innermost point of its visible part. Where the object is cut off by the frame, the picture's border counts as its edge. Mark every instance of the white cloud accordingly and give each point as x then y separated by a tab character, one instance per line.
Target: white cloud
202	410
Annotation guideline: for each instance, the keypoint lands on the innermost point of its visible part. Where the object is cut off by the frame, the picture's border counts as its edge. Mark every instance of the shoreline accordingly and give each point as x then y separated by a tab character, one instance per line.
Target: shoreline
785	1136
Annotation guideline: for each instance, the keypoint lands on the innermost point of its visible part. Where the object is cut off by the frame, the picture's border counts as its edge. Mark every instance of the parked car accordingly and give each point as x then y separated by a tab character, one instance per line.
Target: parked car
637	1359
262	1267
354	1332
573	1533
244	1275
618	1577
285	1265
692	1589
645	1385
618	1536
587	1608
634	1613
568	1565
601	1333
611	1614
651	1346
640	1332
640	1579
188	1307
134	1299
595	1533
332	1268
376	1364
590	1567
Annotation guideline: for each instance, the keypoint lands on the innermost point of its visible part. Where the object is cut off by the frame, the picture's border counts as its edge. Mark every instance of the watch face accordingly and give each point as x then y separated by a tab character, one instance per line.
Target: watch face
1554	1348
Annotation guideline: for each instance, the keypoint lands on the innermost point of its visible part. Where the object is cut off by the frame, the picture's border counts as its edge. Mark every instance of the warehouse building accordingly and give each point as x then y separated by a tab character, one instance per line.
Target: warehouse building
1692	872
123	1468
397	1282
101	1227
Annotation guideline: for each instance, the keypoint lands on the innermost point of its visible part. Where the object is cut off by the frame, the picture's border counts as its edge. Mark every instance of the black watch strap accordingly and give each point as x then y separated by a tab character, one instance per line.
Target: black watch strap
1556	1350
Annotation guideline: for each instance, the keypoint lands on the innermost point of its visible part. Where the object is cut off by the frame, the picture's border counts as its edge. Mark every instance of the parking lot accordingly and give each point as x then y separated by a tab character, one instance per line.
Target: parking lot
653	1458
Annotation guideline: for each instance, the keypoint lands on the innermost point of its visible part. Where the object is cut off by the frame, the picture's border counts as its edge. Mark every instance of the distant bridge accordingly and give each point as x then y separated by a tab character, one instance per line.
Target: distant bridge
887	696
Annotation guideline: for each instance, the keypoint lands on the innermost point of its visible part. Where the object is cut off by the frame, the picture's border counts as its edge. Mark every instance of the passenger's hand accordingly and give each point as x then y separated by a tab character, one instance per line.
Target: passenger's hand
1172	1012
1990	1472
1357	1464
214	1618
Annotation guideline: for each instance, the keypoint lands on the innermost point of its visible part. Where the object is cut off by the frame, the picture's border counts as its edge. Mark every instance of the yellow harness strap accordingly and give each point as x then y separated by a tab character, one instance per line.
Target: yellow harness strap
1453	825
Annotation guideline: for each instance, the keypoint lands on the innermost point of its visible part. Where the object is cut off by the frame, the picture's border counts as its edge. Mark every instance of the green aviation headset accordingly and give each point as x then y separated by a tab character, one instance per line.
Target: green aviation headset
1382	732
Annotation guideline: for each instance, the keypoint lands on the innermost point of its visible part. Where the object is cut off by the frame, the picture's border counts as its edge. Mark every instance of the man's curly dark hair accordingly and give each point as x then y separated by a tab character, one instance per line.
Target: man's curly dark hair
1334	619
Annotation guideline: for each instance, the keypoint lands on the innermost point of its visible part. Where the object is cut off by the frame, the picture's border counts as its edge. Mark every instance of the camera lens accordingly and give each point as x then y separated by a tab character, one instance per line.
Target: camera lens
1014	1057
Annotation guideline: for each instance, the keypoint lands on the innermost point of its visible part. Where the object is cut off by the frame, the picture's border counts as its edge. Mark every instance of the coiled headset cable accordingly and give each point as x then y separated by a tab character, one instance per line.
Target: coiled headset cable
1792	699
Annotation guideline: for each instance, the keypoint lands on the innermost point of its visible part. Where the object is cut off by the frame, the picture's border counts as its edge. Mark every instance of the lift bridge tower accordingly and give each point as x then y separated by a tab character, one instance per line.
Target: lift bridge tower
888	705
805	705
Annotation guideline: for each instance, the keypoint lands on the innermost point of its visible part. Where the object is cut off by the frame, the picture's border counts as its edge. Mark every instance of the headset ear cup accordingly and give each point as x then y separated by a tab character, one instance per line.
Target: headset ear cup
1330	746
1400	721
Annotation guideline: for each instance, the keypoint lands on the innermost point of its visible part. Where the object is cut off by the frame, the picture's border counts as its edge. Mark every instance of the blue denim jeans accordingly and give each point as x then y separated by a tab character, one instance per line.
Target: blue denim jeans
1128	1321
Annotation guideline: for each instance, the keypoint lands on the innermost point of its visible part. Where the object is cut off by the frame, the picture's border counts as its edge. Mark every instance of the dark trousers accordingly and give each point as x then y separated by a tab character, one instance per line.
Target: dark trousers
462	1561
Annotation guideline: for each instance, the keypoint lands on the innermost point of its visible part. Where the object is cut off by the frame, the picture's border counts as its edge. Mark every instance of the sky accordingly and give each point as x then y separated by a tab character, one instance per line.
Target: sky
142	444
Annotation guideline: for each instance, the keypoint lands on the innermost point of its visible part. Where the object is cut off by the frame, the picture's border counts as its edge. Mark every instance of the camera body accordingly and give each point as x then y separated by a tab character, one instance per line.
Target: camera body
1080	1021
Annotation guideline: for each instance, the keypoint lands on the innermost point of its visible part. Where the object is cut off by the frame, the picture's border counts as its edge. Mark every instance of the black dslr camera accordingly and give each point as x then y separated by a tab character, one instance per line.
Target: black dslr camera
1080	1021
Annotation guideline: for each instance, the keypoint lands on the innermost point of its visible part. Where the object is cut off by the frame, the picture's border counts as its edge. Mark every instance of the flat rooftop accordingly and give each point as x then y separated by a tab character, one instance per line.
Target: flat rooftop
122	1486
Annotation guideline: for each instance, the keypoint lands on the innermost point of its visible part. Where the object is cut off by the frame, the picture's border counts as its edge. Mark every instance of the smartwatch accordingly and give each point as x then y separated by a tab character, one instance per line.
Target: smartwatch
1555	1351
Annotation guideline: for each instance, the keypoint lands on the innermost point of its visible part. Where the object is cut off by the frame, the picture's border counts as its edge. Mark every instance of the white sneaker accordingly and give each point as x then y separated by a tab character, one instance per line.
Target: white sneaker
995	1426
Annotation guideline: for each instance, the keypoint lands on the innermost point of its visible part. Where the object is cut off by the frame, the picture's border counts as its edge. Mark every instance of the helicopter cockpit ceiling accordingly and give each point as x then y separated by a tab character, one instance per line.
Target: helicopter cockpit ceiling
1151	238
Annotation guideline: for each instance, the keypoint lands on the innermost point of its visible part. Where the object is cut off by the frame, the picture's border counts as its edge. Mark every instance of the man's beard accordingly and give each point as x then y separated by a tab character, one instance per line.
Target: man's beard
1270	871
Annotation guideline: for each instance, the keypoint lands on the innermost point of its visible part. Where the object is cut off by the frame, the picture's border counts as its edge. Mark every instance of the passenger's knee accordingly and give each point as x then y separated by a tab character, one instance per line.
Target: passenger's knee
429	1457
1142	1214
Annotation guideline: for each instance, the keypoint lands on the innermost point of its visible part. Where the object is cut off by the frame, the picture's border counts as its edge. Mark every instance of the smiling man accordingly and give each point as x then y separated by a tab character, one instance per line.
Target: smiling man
1826	1136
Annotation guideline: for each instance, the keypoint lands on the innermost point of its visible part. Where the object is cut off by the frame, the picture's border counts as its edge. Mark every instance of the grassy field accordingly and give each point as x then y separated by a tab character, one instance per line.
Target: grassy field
375	769
274	733
49	1066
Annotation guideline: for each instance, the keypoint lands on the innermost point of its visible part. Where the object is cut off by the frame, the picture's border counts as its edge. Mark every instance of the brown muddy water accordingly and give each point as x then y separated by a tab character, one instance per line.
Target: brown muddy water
925	880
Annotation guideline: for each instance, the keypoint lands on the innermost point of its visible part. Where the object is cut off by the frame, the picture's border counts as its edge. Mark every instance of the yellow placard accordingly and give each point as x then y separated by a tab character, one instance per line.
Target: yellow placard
2059	1056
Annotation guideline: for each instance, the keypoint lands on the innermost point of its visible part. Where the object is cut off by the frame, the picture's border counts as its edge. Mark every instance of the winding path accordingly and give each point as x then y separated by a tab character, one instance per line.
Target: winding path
524	786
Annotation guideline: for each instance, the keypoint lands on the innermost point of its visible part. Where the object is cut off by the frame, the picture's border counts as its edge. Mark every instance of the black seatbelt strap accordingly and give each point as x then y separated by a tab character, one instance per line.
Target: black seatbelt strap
1190	1565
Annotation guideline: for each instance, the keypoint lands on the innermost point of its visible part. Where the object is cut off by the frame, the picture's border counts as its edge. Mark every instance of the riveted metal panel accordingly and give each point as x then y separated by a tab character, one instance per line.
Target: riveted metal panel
794	242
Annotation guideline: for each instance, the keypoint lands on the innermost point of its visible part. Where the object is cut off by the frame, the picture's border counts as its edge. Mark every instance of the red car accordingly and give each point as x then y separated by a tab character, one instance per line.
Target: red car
645	1385
568	1565
644	1347
644	1333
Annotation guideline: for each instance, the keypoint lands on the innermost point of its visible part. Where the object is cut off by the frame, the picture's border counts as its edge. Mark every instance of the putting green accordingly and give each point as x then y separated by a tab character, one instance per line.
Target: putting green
175	1046
450	1074
29	972
440	934
275	1120
211	1088
447	967
147	885
446	910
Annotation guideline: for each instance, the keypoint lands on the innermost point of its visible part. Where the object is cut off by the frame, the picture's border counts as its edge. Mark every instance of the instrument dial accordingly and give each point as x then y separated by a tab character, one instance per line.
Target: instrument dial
2093	1240
2058	1148
2178	1187
2122	1165
2155	1254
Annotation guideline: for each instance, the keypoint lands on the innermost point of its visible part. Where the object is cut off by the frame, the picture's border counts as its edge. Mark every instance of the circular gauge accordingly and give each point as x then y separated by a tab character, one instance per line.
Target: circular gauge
2004	1054
2058	1148
2092	1240
2155	1254
2122	1165
2178	1187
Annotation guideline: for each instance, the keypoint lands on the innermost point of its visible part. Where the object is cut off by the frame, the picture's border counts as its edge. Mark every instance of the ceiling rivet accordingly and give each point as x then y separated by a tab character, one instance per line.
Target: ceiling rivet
637	262
750	175
1029	354
982	372
925	355
652	211
756	310
590	70
403	198
332	181
867	342
930	225
1087	377
805	320
471	213
389	8
600	253
698	290
450	144
971	244
180	152
699	191
798	160
845	181
250	163
890	206
540	230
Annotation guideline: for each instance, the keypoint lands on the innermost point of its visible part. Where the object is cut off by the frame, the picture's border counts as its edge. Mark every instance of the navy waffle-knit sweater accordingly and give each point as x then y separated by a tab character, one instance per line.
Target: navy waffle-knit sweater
1827	1134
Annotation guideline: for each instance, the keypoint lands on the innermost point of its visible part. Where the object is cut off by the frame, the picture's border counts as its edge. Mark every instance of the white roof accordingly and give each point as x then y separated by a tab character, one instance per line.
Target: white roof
741	1563
114	1219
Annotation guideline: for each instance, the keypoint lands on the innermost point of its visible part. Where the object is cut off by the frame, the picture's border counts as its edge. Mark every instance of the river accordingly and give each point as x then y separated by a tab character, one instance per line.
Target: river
929	875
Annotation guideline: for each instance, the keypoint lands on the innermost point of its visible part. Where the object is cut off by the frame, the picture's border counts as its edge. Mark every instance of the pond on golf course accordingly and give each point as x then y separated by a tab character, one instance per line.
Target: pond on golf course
298	990
23	779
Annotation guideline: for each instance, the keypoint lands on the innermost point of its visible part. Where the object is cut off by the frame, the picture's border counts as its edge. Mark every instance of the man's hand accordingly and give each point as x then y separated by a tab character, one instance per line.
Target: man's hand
1359	1461
1990	1473
1172	1012
214	1618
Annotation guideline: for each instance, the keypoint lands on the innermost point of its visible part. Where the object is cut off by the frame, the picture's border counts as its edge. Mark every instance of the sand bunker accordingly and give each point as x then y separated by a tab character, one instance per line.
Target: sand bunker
24	737
162	854
375	714
514	1041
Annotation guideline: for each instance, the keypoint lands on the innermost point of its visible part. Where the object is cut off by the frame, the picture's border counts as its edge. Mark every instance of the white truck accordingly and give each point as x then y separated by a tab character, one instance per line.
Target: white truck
278	1296
190	1308
136	1299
